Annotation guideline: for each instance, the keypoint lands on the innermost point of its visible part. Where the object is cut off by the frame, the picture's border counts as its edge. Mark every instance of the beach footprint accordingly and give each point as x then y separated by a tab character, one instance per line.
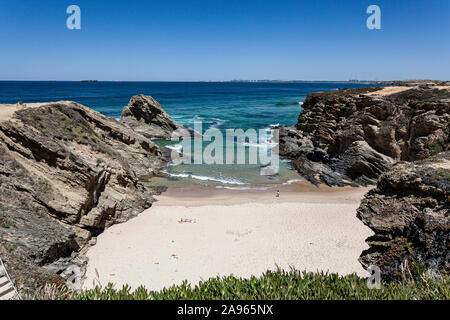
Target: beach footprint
238	234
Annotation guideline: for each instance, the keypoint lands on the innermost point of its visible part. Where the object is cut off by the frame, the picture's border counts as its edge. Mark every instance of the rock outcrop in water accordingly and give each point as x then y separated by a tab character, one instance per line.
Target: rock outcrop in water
146	116
350	137
409	211
66	173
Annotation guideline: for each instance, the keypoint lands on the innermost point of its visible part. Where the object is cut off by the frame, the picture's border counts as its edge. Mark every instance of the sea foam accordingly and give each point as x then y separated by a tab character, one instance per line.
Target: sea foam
205	178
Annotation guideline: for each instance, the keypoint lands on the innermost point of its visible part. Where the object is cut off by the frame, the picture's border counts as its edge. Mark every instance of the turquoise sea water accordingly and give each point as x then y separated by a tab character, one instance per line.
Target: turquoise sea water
221	105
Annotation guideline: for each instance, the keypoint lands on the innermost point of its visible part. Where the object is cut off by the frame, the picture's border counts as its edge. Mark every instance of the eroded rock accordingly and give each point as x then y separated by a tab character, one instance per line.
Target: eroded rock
350	137
409	211
67	173
146	116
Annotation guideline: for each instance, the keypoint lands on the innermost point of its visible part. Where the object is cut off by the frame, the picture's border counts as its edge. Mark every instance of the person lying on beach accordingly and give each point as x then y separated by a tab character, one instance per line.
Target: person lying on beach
186	220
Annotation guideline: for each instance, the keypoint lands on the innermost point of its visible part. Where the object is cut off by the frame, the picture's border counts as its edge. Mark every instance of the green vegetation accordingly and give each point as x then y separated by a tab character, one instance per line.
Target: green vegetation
436	147
163	143
278	285
44	186
63	123
5	222
72	157
66	123
154	188
36	117
10	246
443	174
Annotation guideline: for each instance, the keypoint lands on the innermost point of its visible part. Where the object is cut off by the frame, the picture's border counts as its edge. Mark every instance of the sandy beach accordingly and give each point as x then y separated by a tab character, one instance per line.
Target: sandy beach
232	232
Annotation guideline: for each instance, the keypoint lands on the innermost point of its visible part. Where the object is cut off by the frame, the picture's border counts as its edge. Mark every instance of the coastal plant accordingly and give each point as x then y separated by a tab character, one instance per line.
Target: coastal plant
280	284
436	147
5	222
51	291
441	173
72	157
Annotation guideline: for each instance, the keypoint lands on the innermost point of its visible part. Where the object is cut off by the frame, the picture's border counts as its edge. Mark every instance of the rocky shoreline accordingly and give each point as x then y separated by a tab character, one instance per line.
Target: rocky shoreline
146	116
409	211
396	138
67	173
350	137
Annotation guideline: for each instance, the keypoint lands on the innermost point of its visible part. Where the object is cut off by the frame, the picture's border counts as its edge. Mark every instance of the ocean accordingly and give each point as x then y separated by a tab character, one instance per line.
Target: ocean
220	105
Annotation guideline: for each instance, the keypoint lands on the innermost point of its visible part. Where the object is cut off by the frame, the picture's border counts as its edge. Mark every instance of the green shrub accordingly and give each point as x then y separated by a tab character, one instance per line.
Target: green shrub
443	175
5	222
435	147
286	285
72	157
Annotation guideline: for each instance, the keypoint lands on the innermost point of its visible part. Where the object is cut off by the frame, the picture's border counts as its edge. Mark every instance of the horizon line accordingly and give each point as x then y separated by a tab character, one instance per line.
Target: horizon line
233	80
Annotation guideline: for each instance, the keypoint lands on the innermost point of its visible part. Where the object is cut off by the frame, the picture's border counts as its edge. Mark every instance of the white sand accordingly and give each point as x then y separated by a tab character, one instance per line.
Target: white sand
388	90
306	230
7	110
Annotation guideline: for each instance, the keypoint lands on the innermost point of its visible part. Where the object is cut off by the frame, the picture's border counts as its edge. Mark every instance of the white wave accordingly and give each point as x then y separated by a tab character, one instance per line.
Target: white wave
264	144
172	164
205	178
267	144
218	123
292	181
196	118
177	175
176	147
300	103
269	170
242	188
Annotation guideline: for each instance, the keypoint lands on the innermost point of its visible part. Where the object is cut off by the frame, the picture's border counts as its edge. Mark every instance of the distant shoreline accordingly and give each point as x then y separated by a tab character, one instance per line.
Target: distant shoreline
381	82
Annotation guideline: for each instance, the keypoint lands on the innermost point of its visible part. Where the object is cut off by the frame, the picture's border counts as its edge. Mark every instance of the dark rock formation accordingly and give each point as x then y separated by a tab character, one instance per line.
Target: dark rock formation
412	82
350	137
146	116
409	211
66	173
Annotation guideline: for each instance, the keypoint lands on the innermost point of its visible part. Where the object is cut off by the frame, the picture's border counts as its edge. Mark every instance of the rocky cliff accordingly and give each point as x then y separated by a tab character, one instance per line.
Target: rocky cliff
350	137
146	116
66	173
409	211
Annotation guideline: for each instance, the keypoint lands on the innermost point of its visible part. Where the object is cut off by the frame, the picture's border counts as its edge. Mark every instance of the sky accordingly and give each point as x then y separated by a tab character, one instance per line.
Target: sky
192	40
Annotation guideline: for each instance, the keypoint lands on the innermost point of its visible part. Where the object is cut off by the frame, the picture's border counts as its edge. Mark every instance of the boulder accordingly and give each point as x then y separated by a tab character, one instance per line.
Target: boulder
409	212
146	116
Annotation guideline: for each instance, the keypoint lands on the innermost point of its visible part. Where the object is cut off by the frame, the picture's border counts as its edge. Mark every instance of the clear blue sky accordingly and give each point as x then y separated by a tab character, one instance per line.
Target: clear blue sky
223	40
